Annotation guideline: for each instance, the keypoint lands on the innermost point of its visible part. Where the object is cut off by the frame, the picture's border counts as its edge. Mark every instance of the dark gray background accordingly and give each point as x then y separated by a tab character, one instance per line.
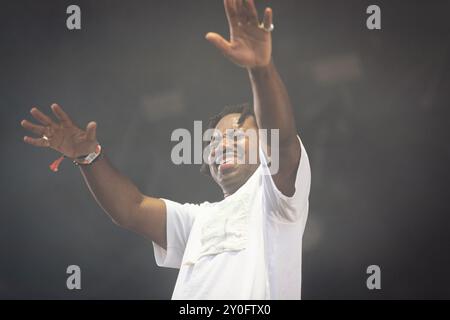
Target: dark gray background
371	107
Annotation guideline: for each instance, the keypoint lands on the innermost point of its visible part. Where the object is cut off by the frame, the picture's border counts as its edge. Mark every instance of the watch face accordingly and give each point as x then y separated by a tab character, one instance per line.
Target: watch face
90	157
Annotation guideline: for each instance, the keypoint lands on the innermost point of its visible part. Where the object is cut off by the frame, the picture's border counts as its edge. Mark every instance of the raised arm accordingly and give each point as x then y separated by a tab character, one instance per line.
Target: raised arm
115	193
250	47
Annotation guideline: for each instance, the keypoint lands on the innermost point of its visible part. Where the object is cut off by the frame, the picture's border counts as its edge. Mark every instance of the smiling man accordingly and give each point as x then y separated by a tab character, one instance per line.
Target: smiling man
247	246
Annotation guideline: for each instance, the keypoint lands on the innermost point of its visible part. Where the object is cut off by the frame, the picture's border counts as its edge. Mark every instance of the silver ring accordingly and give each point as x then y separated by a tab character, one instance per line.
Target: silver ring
270	29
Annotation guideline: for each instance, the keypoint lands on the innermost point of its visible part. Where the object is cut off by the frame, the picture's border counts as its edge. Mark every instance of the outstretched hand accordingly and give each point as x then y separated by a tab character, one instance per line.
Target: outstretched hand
250	44
62	135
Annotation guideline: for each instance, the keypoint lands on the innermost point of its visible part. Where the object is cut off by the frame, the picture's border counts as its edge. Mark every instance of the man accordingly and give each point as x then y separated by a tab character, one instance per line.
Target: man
247	246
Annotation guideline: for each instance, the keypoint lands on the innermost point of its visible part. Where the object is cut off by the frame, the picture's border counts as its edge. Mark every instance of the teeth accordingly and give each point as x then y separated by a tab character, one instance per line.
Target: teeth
226	158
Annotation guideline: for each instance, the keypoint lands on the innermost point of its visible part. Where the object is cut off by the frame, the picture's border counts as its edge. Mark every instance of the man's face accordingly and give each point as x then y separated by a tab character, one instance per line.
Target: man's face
231	154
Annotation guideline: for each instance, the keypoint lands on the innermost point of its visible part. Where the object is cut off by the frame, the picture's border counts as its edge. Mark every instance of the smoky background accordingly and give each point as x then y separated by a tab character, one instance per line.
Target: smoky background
372	108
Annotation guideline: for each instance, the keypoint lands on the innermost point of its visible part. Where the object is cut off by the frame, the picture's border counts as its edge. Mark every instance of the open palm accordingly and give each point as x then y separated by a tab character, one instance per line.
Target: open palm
63	135
250	43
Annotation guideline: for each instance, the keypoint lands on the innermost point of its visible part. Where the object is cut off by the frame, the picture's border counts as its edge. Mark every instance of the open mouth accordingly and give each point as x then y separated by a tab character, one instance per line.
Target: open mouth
225	162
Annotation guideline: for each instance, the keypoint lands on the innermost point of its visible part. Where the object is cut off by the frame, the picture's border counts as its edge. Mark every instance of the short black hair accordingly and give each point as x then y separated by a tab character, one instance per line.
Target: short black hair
245	109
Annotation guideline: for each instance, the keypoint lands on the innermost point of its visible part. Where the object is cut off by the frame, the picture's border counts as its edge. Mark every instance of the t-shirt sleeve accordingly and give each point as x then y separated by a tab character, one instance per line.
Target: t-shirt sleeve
180	218
281	207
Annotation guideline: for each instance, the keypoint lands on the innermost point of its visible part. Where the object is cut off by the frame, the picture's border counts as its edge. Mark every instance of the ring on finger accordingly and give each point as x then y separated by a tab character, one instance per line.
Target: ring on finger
263	27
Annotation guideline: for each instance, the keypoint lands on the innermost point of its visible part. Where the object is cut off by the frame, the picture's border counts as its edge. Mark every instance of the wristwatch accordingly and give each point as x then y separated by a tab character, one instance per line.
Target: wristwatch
84	160
90	158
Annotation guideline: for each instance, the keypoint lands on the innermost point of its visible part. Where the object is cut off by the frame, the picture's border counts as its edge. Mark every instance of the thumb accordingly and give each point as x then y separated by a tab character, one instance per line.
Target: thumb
220	43
91	131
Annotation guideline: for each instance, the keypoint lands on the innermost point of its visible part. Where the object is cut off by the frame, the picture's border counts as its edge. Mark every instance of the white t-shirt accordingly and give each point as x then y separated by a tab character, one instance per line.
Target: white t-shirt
245	247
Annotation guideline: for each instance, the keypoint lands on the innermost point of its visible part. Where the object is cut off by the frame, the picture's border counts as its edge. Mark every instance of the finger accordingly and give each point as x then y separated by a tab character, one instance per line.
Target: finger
37	142
252	12
39	130
220	43
240	10
230	10
42	118
60	114
91	131
268	18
